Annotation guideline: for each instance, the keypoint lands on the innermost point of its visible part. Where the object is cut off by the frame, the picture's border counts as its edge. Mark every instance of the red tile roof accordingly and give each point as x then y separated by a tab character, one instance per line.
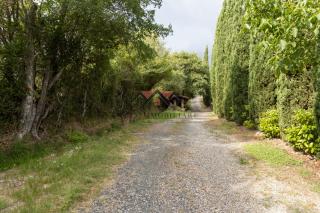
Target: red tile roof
147	94
167	94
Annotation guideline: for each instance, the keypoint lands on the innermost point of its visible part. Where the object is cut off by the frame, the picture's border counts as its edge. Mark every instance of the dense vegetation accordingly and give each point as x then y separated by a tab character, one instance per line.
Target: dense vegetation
188	75
63	60
265	57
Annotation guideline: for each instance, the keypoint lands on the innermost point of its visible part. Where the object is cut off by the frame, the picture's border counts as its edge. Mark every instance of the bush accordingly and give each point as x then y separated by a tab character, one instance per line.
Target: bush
303	133
249	124
77	137
294	92
269	124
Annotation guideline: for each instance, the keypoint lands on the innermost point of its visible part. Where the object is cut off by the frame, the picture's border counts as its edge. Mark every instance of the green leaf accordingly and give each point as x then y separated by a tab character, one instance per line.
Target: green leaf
248	26
283	44
295	32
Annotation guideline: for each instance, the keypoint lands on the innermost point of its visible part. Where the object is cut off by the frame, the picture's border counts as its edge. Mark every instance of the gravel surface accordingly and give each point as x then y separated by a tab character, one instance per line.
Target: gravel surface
183	167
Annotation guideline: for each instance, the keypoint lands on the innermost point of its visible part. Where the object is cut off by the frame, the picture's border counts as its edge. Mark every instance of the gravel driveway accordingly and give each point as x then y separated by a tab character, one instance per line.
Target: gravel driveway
184	166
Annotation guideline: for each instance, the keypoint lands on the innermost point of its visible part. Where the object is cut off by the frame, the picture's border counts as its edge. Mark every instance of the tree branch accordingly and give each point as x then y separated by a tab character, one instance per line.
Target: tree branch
55	79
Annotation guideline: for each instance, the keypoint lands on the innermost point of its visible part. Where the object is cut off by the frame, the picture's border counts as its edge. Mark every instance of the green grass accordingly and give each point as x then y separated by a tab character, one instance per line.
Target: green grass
305	173
55	182
3	204
22	152
270	154
243	161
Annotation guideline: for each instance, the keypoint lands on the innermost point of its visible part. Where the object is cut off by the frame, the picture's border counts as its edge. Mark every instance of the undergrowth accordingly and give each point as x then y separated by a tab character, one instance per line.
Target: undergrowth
52	176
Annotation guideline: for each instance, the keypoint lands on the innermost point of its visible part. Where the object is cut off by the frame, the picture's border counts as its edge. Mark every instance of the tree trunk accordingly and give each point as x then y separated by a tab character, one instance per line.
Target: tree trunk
28	107
84	111
41	106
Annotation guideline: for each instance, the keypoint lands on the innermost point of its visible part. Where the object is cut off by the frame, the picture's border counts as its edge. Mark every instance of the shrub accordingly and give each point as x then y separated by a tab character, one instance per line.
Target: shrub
303	133
269	124
249	124
77	137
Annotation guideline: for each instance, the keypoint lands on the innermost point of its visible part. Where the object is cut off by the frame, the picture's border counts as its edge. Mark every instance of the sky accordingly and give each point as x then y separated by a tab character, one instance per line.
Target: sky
193	23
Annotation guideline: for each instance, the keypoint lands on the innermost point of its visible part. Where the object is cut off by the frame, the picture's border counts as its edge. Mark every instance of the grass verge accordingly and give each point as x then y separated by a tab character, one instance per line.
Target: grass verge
49	179
3	205
270	154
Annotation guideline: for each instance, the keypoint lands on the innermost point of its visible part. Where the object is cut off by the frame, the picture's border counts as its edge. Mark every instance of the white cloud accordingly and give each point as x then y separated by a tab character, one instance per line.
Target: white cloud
193	23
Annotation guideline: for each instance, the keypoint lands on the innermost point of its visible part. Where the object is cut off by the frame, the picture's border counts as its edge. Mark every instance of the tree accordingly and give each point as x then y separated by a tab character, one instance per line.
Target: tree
265	56
188	75
60	44
230	69
206	88
206	57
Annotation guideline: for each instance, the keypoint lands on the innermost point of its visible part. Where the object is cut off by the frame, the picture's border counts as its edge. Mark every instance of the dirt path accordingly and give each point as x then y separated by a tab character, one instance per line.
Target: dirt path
182	167
189	165
198	106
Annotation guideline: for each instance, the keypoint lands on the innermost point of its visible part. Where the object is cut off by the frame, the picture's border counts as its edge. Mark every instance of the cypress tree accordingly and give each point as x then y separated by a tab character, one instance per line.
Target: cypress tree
294	92
206	57
262	82
258	69
231	63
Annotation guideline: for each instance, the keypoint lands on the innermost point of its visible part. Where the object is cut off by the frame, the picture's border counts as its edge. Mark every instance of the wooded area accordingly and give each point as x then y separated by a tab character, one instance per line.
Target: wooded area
74	59
265	68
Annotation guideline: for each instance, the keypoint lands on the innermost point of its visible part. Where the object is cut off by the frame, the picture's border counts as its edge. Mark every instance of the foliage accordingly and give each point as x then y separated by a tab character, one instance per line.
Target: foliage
269	124
270	154
262	82
187	75
249	124
56	181
290	30
205	89
3	204
73	59
303	134
77	137
230	69
294	92
21	152
265	56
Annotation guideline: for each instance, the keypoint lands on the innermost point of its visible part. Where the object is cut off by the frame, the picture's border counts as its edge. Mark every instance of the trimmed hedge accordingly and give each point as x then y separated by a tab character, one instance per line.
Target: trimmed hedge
262	82
253	72
230	71
294	92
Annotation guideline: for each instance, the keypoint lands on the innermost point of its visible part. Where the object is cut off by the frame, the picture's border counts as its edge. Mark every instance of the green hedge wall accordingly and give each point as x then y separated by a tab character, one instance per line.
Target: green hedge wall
294	92
262	82
230	69
246	82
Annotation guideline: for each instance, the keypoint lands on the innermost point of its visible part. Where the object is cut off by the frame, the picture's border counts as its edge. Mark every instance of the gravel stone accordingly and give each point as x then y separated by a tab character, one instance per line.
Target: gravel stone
183	167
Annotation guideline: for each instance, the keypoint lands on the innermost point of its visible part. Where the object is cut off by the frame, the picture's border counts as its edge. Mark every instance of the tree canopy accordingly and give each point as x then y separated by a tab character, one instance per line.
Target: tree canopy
68	57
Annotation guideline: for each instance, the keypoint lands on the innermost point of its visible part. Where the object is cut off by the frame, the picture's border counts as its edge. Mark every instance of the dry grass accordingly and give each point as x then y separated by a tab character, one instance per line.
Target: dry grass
274	158
58	181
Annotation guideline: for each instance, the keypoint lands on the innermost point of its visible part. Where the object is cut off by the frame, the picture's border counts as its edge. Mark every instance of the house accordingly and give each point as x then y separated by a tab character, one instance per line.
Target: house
164	99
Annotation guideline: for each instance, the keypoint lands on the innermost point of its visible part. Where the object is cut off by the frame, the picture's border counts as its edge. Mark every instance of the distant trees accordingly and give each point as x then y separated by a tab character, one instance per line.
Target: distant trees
188	75
68	57
206	87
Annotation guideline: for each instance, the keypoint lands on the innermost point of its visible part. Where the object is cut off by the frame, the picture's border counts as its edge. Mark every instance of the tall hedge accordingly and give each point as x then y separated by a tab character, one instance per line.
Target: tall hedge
294	92
262	60
262	82
230	63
